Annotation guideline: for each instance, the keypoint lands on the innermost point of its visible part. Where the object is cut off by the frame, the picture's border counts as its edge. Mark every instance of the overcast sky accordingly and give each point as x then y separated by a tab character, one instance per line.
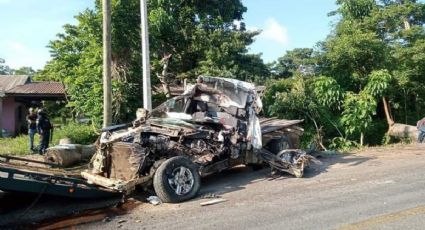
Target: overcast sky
28	25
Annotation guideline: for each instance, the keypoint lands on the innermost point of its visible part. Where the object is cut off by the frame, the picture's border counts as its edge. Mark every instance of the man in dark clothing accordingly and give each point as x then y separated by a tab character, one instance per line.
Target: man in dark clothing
421	130
44	128
32	127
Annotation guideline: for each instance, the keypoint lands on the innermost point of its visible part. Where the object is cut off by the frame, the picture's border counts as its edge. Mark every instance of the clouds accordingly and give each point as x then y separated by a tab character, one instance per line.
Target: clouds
272	41
272	31
28	27
275	32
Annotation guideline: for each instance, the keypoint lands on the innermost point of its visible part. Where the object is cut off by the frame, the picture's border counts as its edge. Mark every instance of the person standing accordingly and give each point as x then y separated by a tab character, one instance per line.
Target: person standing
421	130
32	127
44	127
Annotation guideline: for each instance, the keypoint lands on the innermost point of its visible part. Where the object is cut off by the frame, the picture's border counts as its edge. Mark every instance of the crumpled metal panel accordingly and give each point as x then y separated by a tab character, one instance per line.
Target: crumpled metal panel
126	160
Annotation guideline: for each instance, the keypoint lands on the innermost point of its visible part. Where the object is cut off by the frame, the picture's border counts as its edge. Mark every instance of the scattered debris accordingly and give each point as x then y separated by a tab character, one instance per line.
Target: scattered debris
106	219
210	196
121	221
211	202
154	200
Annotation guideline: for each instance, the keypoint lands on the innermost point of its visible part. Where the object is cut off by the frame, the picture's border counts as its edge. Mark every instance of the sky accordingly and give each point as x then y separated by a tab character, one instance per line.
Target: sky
287	24
27	26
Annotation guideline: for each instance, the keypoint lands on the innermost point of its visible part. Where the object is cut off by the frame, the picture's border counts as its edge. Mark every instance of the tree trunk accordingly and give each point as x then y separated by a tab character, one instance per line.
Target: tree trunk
163	76
397	129
390	120
403	131
361	138
69	154
406	24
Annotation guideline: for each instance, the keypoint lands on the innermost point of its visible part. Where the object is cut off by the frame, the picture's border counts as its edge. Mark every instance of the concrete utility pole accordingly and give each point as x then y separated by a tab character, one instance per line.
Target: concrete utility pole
147	101
107	92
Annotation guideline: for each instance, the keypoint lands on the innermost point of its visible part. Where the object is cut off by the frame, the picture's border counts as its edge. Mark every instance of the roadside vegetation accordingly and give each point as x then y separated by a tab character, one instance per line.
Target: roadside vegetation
366	74
78	133
368	71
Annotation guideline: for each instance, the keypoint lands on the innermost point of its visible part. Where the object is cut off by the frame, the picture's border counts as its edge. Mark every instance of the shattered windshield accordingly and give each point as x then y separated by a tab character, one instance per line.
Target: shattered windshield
173	105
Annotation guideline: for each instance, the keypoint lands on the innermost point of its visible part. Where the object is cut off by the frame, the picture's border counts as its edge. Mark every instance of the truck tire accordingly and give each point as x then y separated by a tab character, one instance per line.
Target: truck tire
176	180
277	145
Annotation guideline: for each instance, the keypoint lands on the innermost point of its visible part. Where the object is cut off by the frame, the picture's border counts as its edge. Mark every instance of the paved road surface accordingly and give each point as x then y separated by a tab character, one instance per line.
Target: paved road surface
378	188
374	189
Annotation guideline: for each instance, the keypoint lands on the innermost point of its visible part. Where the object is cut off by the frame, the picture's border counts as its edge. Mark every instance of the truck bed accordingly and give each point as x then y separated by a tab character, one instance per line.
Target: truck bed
17	177
272	128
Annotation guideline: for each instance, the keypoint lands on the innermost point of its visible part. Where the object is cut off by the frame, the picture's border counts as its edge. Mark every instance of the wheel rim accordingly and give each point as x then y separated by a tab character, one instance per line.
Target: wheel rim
181	180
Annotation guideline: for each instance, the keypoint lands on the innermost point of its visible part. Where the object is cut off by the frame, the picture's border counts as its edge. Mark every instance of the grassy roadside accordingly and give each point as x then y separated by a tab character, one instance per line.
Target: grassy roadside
78	133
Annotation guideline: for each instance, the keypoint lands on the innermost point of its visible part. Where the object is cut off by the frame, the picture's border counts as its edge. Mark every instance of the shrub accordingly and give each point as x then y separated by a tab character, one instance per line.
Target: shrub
78	133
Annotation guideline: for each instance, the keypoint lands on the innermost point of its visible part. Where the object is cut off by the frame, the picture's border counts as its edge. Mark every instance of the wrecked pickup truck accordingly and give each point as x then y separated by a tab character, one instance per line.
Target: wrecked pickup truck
214	125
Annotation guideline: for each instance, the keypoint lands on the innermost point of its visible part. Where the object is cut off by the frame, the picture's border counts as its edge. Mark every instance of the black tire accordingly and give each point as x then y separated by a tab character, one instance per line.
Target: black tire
174	175
421	137
277	145
257	167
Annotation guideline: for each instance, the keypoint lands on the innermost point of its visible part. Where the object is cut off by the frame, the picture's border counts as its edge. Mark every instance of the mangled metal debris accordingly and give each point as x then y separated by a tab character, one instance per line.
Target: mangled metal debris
154	200
214	201
213	126
292	161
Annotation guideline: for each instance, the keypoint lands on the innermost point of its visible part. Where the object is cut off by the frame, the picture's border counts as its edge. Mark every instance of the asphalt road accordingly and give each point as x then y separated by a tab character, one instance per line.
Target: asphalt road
380	188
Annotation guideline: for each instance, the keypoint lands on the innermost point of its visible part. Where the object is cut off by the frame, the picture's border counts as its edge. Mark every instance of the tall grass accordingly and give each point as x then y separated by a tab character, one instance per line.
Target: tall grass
78	133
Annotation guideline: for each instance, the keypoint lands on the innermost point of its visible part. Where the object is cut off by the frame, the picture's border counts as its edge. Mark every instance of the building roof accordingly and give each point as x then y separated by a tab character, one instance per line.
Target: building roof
22	86
38	88
8	82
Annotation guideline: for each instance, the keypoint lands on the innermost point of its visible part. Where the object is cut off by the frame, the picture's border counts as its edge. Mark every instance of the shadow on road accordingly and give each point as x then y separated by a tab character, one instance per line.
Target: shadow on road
233	179
22	210
239	177
343	159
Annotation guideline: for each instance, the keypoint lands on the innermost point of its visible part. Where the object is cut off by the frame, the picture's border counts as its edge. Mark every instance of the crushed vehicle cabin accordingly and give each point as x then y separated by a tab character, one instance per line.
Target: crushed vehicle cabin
214	125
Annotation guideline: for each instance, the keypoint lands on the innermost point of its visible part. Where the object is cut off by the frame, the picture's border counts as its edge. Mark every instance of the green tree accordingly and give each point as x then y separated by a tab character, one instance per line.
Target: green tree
354	49
4	69
26	70
299	59
376	52
316	100
183	37
227	56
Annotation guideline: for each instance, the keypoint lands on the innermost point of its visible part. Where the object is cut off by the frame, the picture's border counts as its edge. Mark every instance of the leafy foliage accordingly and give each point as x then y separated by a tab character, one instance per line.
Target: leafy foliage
200	37
379	82
376	50
358	111
299	59
4	69
328	92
